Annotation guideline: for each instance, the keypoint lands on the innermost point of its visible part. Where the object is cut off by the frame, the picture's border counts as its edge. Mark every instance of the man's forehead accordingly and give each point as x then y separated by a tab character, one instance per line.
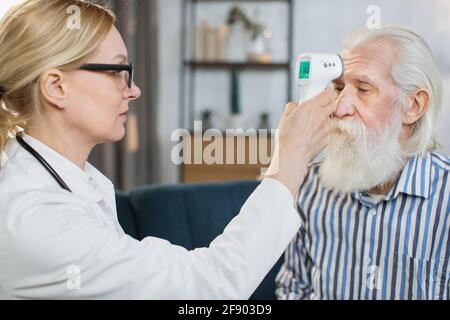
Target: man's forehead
373	60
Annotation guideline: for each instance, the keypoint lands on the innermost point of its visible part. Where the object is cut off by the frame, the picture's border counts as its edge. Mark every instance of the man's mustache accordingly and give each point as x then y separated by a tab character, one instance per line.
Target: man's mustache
347	127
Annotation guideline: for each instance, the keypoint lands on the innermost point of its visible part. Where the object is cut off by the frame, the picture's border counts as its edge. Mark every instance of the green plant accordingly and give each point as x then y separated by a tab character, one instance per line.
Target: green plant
237	14
234	92
264	120
264	116
206	114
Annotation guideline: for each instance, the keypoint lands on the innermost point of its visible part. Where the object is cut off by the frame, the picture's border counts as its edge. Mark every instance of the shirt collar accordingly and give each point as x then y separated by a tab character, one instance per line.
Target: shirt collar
89	183
414	180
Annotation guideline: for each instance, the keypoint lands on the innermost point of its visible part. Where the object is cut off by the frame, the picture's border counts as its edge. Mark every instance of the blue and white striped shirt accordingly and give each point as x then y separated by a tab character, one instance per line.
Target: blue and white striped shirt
354	246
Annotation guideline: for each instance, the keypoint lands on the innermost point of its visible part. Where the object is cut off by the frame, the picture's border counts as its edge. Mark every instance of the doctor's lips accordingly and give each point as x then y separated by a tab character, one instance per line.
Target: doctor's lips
124	113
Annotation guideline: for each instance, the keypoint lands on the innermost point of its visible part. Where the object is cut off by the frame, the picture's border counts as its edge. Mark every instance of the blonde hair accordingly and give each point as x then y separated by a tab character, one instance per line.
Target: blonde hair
414	69
35	36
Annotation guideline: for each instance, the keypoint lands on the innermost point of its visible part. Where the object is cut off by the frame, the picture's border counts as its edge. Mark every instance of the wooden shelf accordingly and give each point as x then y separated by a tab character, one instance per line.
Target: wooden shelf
248	168
237	65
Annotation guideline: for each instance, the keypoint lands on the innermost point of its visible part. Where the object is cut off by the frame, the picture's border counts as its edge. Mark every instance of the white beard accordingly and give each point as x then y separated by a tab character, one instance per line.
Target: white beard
359	159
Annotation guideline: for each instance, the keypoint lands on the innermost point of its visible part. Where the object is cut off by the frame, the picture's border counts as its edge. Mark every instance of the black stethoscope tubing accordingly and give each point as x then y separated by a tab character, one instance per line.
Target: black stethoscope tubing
44	163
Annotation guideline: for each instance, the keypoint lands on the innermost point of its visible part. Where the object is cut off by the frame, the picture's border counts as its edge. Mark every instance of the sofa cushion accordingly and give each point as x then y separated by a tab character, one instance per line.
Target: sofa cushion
126	214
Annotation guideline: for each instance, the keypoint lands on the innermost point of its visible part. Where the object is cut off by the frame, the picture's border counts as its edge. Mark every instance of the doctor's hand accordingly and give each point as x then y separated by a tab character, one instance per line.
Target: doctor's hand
302	135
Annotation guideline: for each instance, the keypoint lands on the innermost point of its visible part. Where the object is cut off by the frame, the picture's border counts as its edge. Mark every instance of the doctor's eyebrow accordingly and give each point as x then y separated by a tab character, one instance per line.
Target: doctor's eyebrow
122	56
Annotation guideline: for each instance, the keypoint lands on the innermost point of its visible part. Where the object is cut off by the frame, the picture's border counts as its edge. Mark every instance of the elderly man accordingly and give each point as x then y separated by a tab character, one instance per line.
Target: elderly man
376	210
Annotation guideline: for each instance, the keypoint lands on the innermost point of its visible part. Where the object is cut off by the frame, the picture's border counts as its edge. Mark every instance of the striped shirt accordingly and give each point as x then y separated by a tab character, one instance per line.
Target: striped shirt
357	246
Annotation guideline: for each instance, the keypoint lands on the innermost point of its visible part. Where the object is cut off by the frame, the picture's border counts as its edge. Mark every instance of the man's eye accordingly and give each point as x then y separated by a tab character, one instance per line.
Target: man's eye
338	89
363	90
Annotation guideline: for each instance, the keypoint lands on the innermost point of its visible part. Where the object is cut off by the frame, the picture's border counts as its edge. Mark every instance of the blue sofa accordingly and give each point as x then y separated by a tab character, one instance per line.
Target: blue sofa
189	215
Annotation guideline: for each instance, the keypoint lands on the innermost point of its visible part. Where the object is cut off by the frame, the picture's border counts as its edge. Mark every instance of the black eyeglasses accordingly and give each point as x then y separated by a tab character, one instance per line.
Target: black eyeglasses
112	67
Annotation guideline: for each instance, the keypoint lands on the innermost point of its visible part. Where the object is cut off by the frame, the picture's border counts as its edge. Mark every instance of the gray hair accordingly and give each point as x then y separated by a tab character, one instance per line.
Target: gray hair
414	69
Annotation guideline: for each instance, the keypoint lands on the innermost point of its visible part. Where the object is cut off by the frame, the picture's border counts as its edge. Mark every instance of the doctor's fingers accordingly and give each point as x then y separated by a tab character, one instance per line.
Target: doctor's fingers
321	135
326	112
289	108
322	100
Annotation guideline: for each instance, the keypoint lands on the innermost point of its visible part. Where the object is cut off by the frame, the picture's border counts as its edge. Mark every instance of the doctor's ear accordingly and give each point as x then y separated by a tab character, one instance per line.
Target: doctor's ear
53	87
418	104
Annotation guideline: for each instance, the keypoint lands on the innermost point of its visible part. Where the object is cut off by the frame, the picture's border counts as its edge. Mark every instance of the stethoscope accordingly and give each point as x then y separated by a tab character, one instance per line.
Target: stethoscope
44	163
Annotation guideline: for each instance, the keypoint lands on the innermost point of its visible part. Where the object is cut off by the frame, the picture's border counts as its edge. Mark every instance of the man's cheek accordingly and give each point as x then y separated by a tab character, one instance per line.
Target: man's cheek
368	115
381	120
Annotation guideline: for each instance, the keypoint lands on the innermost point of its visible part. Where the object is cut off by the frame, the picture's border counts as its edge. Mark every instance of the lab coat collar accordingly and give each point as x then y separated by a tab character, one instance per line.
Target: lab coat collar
88	184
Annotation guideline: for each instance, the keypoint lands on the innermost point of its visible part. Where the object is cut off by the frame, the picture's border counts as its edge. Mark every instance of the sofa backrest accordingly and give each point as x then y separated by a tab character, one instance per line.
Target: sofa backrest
189	215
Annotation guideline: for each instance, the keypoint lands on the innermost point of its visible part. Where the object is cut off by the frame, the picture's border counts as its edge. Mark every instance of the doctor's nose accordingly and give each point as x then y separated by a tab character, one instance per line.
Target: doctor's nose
134	92
344	106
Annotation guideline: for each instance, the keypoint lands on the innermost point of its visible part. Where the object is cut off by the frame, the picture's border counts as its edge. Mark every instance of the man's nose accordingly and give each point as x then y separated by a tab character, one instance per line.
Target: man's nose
344	106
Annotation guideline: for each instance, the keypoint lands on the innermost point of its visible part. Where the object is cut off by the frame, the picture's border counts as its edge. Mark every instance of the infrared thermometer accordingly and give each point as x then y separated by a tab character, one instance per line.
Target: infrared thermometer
316	71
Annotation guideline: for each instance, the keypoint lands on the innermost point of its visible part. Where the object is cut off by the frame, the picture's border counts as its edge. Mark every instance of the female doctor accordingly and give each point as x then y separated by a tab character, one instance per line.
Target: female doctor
69	90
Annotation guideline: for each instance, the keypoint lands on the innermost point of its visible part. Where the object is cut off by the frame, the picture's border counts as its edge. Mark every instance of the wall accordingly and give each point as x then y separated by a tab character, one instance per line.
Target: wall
170	64
5	5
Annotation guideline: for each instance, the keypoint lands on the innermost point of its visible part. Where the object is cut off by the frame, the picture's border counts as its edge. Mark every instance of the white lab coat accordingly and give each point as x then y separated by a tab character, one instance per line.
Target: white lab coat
58	245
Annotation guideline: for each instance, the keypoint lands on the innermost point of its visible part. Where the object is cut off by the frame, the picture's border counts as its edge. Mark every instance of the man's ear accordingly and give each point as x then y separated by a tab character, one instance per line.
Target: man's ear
53	88
419	103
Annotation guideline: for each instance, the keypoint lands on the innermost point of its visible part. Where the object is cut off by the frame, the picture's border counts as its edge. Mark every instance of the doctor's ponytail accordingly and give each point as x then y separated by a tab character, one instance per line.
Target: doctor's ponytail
37	35
4	121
